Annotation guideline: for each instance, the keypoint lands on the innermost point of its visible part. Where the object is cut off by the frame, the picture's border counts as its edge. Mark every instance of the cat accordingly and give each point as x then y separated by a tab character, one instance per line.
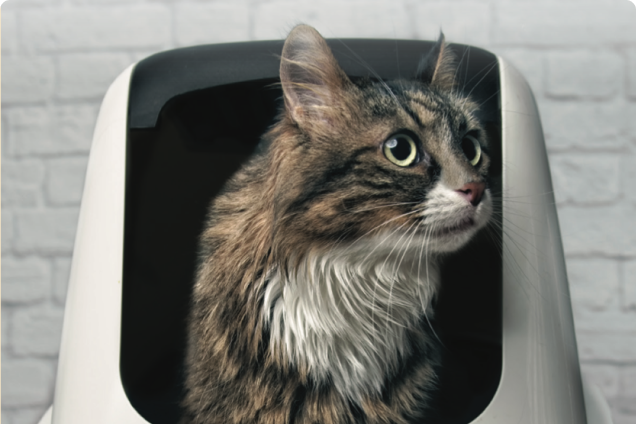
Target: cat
318	261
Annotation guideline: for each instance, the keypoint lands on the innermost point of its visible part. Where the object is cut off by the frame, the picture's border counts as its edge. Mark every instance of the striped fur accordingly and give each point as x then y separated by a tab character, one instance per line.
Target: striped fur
318	262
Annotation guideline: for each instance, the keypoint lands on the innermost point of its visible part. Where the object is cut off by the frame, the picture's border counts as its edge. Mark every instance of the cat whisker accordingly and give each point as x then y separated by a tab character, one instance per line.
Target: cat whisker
382	206
490	69
397	267
386	223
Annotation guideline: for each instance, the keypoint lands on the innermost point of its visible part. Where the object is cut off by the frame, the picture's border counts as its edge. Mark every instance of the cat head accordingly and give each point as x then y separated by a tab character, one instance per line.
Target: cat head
376	160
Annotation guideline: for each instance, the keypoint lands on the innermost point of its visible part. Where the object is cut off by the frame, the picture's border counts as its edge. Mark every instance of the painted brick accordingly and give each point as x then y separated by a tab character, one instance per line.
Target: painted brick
629	286
27	79
530	63
630	110
357	19
466	22
628	174
82	2
24	4
62	130
583	74
586	178
606	346
8	231
20	196
618	417
49	231
40	330
26	382
628	381
25	280
623	406
612	319
204	23
82	28
61	275
631	73
65	180
566	23
22	182
583	125
85	76
7	323
604	230
605	377
9	31
27	173
594	282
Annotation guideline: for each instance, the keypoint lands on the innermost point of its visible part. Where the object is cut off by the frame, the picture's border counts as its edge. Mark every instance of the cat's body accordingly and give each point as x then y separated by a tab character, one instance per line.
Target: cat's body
312	302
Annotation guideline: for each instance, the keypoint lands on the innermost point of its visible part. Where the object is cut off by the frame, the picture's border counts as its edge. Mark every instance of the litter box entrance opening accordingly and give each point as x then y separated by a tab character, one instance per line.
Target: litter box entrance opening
177	166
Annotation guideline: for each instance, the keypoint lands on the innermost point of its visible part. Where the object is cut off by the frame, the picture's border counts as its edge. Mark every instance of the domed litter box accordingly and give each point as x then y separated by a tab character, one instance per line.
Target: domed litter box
175	126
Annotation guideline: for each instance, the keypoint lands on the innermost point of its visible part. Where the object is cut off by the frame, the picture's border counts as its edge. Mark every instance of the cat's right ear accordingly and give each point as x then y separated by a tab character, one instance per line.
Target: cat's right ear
311	78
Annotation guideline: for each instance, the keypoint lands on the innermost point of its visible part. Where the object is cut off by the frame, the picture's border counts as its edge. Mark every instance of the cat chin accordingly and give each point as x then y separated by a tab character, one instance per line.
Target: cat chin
453	223
446	243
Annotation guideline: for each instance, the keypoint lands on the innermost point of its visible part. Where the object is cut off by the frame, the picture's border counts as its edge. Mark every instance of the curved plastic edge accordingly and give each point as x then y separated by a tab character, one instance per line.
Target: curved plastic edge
541	377
88	386
596	406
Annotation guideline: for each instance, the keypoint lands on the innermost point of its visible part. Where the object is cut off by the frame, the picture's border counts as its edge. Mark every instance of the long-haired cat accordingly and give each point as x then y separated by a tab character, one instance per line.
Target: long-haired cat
318	261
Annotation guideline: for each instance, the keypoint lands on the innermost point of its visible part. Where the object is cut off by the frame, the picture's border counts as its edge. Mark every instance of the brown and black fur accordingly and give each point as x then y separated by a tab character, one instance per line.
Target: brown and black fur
315	187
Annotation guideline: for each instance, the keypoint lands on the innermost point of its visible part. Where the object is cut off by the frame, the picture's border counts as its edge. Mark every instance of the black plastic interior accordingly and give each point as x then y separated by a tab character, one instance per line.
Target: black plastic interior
195	115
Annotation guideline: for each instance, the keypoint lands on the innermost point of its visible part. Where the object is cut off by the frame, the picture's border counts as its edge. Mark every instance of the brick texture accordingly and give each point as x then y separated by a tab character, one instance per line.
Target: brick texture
28	382
40	331
582	179
581	74
25	280
46	231
9	32
466	22
584	125
61	274
27	79
59	57
198	23
40	130
65	180
354	19
88	75
631	73
90	28
629	286
23	182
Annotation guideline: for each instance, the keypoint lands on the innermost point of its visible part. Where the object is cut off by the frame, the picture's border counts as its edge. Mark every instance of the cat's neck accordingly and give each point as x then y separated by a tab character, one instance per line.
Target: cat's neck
344	315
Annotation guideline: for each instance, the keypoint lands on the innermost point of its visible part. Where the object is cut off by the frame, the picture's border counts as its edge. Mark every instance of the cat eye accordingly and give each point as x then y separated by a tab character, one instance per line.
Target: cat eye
401	150
472	149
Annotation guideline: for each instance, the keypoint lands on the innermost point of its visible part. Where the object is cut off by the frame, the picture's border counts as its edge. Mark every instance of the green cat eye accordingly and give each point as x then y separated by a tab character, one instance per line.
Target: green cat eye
472	149
401	150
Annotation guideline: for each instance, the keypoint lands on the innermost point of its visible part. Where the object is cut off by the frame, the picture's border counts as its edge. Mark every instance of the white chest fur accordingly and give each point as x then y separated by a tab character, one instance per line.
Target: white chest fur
345	315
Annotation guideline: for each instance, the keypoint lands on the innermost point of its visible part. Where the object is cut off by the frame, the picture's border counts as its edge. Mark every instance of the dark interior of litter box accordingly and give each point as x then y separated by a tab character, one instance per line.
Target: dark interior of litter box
195	115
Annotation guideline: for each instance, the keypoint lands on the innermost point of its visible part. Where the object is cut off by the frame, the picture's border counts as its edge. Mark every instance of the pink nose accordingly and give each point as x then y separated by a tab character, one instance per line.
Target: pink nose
472	192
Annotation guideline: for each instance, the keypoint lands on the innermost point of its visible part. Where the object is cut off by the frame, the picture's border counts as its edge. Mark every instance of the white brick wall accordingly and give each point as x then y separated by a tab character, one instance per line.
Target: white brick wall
59	56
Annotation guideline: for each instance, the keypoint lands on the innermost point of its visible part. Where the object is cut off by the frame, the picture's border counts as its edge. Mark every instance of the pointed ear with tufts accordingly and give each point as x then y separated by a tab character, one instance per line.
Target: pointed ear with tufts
312	80
438	67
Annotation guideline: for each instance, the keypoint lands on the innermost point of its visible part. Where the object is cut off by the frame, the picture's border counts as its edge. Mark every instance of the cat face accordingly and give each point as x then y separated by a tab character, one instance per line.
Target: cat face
384	162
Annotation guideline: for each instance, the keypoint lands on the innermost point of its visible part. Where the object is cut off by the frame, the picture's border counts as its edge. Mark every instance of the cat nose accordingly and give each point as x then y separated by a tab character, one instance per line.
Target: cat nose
472	192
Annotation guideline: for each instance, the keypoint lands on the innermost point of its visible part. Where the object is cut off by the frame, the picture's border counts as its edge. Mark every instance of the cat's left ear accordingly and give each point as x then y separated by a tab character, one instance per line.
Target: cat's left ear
311	78
438	67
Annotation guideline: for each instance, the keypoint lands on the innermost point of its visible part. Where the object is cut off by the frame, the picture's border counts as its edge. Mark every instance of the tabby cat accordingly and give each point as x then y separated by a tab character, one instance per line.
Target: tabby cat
318	261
